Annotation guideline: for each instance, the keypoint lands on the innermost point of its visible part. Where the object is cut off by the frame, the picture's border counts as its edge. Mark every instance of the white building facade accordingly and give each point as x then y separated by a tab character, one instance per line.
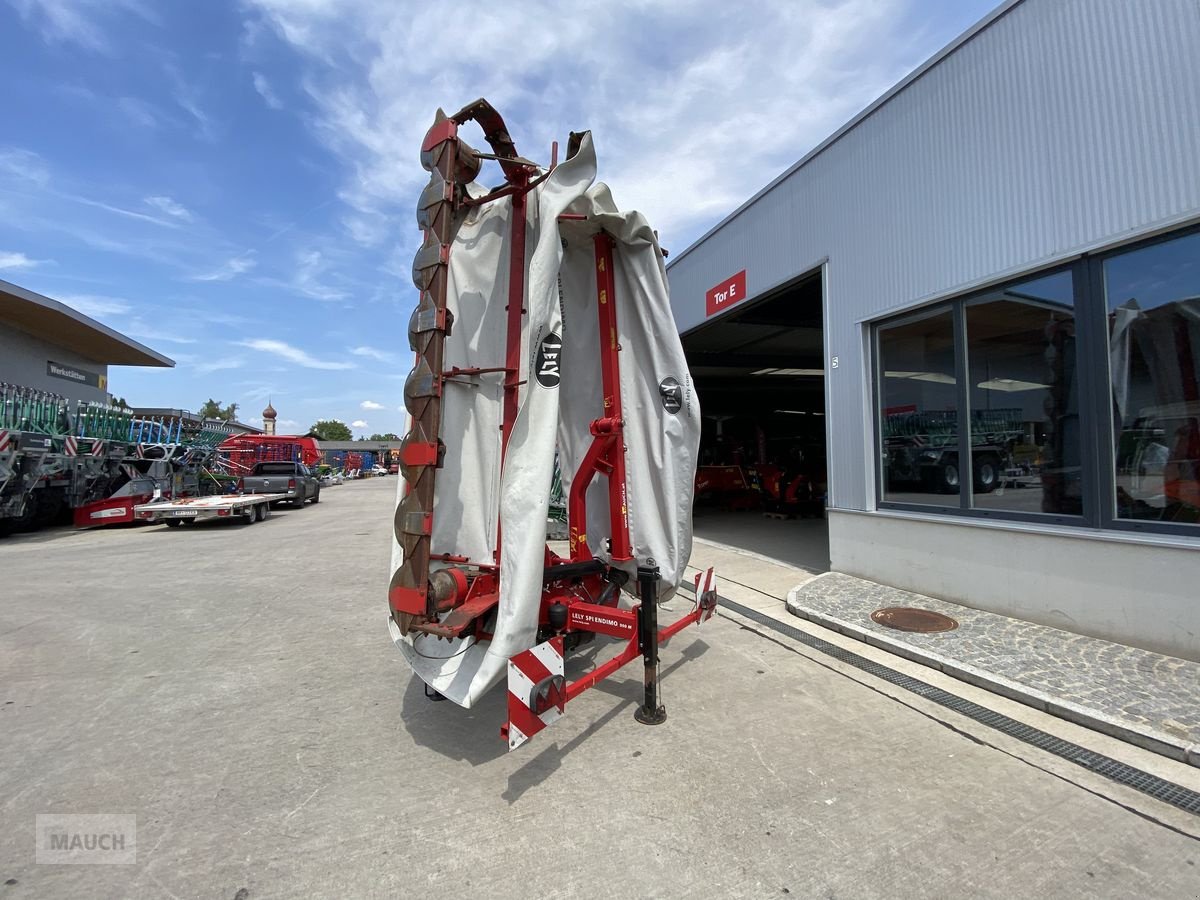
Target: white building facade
1008	246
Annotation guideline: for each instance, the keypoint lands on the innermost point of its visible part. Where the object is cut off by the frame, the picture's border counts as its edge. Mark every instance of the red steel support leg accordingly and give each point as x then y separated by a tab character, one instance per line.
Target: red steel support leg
610	377
516	309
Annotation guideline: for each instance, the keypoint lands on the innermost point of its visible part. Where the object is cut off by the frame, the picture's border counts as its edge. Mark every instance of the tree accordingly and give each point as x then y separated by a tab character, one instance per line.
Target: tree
212	409
390	436
331	430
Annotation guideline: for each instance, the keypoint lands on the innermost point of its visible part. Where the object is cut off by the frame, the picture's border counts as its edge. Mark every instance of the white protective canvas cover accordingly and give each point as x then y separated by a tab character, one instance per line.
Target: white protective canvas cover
661	412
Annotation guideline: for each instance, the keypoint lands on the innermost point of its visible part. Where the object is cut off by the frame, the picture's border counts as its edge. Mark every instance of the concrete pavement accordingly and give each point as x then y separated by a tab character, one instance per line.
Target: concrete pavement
234	688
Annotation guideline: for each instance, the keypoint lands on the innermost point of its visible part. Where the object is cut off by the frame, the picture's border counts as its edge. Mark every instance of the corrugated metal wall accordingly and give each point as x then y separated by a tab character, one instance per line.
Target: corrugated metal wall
1061	126
23	361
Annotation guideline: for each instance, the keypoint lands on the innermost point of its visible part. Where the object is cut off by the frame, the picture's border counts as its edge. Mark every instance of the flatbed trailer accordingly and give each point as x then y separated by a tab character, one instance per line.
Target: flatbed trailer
250	507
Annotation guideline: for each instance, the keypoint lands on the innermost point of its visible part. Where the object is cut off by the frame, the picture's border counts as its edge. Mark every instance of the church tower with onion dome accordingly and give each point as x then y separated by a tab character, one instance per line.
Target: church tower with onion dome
269	415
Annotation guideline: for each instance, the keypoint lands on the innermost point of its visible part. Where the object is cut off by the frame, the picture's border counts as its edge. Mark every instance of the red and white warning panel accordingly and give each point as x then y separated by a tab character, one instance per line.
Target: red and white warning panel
706	594
537	690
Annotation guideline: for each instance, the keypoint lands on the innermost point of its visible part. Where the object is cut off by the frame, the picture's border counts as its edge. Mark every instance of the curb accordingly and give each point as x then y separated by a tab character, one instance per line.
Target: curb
1154	741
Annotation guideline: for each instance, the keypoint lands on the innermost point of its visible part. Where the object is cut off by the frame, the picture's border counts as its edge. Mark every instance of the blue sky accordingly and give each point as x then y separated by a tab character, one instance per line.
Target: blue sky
233	183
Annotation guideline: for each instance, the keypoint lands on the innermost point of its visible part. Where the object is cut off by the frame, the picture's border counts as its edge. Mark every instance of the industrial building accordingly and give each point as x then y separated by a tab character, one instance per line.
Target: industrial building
974	314
46	345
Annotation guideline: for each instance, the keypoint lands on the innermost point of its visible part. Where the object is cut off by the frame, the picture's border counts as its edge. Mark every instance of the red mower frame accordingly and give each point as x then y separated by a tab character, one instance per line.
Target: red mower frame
580	593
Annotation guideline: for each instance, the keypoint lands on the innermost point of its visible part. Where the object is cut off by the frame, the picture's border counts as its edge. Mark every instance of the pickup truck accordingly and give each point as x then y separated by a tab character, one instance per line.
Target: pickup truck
293	480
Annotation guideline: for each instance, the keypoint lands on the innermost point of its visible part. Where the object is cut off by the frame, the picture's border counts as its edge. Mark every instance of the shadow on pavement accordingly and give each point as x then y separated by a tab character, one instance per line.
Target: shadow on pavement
470	735
473	735
629	692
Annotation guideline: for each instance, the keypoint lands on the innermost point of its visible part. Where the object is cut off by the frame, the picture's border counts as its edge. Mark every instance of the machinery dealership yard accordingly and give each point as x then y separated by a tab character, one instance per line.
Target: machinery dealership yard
234	687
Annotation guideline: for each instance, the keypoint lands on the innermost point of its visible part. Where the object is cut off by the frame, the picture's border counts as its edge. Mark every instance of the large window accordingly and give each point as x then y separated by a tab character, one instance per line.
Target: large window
1072	394
1024	396
1152	300
919	395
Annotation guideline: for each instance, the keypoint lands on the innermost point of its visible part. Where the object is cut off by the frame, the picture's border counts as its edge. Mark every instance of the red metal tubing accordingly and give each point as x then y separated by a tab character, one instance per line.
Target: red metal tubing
628	655
516	309
516	303
664	634
577	500
598	674
610	377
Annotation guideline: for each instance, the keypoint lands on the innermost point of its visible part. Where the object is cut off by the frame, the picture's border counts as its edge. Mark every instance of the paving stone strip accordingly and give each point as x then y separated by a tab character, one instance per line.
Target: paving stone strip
1146	698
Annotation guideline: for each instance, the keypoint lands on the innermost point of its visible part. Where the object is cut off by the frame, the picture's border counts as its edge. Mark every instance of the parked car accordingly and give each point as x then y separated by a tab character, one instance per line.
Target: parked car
394	469
379	470
291	478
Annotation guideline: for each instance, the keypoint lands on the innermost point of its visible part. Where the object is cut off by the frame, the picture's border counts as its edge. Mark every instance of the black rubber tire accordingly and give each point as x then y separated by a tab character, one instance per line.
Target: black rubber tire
986	473
948	477
28	520
317	496
50	506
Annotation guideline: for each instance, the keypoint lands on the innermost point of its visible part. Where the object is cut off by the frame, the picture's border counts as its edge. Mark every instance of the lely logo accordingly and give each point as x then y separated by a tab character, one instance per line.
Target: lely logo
671	393
549	361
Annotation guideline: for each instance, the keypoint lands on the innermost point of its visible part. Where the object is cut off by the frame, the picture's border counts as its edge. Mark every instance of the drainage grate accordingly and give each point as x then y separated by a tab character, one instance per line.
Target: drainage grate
909	618
1151	785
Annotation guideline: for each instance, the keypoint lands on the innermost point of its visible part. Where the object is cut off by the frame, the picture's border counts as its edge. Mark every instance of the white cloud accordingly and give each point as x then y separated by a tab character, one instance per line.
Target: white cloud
311	276
76	21
254	391
372	353
219	365
23	166
311	268
11	260
706	92
120	211
371	404
96	306
170	207
266	92
139	112
229	270
294	354
145	332
186	94
358	423
369	229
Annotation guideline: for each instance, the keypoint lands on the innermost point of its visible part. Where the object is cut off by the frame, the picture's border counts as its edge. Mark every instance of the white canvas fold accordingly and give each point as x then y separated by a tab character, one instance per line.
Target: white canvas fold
662	415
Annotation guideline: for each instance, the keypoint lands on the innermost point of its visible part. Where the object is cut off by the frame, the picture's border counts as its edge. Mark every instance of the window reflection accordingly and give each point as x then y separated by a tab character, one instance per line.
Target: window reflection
1153	304
1025	446
919	415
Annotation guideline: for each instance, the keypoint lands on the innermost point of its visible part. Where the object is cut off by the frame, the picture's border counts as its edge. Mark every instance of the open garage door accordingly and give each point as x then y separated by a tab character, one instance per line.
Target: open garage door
758	371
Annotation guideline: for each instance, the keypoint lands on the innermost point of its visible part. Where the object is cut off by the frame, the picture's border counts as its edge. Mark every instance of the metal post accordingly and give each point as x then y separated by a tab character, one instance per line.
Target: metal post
650	712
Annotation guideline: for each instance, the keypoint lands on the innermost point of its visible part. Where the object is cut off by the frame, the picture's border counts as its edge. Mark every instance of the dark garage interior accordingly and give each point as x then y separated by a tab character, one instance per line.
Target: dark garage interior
758	371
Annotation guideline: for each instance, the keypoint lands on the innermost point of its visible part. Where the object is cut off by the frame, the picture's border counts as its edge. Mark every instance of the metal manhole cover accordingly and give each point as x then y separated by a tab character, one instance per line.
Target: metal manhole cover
906	618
